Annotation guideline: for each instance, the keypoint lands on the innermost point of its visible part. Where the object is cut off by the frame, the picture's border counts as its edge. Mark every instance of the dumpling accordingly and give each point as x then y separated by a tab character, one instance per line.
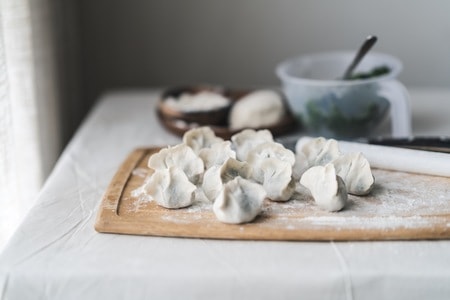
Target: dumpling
180	156
170	188
318	151
240	201
300	166
355	170
217	154
328	189
271	150
201	137
246	140
275	177
272	167
233	168
217	175
258	109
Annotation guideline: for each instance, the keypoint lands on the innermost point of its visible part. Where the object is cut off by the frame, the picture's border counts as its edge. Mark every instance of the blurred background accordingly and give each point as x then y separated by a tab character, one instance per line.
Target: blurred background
122	44
58	57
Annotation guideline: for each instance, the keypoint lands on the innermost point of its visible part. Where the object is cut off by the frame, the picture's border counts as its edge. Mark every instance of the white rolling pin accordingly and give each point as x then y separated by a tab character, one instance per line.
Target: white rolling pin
398	159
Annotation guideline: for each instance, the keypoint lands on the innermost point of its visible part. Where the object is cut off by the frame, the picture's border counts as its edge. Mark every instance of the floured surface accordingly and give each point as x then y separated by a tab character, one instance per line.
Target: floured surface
401	206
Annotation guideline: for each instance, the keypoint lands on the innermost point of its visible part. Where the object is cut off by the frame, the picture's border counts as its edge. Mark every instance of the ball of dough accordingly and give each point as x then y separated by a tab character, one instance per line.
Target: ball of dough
256	110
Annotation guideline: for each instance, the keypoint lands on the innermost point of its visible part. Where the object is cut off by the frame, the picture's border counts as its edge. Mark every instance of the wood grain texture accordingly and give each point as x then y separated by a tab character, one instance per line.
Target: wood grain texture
402	206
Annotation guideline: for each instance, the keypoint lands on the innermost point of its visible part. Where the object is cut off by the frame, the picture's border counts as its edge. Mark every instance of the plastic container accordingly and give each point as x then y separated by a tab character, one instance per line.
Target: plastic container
329	106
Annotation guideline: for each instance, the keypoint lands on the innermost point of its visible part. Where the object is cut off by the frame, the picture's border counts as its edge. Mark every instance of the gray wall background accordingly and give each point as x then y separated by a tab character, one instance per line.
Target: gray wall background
147	43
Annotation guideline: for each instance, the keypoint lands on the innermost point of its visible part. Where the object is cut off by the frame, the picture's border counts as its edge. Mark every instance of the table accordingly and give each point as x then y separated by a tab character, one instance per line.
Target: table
57	254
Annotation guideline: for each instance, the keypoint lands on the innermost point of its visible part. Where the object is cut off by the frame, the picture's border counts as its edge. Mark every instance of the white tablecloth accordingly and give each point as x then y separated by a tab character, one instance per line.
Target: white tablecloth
57	254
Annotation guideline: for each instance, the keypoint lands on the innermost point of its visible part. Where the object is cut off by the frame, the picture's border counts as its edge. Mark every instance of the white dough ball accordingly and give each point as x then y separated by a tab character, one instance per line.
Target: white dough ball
258	109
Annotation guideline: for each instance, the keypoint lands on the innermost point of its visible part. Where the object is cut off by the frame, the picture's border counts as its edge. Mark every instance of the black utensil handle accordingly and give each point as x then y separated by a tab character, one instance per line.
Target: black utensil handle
437	144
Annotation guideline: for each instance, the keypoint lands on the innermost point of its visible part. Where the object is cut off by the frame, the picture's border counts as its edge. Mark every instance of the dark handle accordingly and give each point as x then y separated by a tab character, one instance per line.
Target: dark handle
436	144
365	47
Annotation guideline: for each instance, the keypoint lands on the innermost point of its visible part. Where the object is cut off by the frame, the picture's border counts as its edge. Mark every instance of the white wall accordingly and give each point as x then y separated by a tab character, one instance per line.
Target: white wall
239	42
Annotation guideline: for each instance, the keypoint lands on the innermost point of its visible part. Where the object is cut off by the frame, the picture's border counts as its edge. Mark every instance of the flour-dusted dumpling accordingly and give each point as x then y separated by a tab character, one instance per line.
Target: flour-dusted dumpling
233	168
271	150
275	177
355	170
201	137
246	140
240	201
272	167
217	154
212	183
199	196
300	166
258	109
180	156
318	151
328	189
217	175
170	188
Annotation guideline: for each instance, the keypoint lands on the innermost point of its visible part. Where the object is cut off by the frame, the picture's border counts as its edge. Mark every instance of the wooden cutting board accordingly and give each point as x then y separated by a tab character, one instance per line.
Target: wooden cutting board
402	206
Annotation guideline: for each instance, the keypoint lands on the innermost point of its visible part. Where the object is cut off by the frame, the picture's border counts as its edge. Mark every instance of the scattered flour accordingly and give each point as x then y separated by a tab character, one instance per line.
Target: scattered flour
398	201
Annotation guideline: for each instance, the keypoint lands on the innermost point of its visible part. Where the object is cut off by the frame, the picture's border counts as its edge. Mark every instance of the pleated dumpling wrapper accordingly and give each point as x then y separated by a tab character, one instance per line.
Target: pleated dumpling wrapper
246	140
319	151
180	156
216	154
272	167
200	138
218	175
240	201
328	189
170	188
355	170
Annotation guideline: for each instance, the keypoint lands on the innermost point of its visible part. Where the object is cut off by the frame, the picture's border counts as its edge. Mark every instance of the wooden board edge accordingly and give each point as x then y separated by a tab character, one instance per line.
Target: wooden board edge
439	231
111	198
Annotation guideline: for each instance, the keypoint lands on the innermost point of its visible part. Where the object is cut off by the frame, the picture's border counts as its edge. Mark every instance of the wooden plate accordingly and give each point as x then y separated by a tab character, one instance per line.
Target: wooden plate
179	127
179	122
402	207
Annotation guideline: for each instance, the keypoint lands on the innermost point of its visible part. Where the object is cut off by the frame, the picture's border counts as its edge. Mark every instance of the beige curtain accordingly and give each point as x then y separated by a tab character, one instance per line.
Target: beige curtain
29	121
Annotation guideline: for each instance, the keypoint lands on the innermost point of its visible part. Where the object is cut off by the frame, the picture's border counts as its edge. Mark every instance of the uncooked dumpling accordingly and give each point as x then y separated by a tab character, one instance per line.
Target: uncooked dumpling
217	175
216	154
271	150
246	140
258	109
275	177
170	188
180	156
272	167
355	170
199	138
240	201
300	166
319	151
328	189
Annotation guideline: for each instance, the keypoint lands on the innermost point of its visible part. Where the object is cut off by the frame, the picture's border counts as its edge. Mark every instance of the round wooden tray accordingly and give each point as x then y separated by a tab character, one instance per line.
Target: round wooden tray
178	122
179	127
